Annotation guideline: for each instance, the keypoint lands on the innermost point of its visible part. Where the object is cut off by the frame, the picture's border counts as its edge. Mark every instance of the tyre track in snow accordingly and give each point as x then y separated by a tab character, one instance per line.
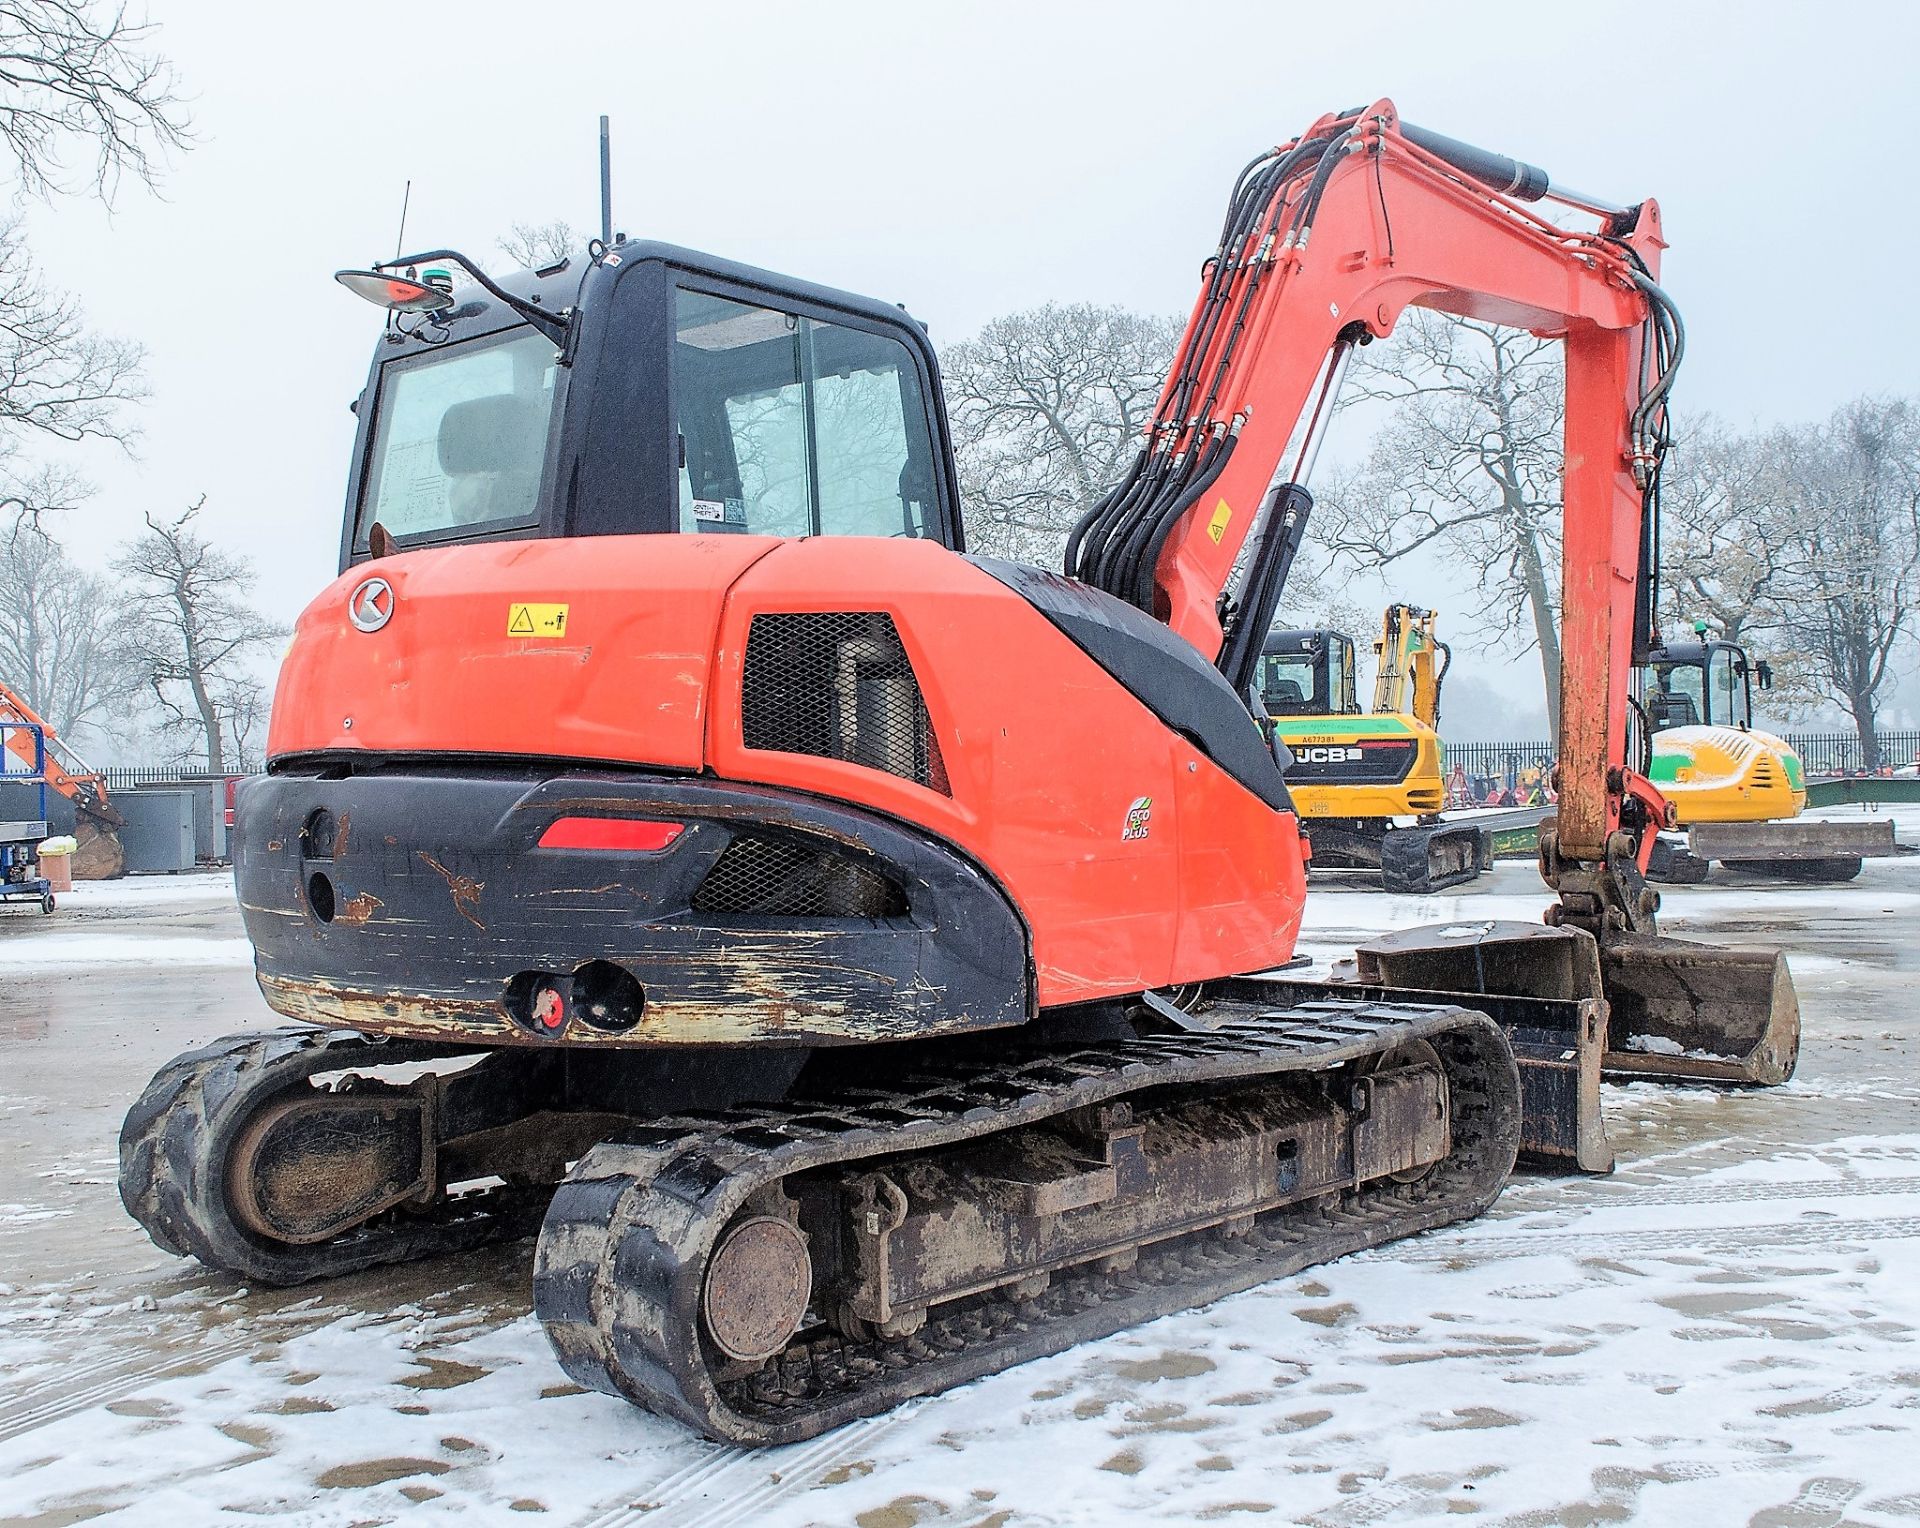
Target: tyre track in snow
734	1486
1609	1194
55	1398
1614	1242
1773	1193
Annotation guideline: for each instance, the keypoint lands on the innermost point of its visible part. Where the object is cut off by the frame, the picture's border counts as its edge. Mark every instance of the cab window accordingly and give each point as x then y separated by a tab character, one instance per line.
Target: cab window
459	437
791	426
1726	689
1289	684
1677	698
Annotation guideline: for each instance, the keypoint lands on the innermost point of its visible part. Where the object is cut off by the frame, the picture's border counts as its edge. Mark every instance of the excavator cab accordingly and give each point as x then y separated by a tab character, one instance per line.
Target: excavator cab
1708	683
682	394
1307	673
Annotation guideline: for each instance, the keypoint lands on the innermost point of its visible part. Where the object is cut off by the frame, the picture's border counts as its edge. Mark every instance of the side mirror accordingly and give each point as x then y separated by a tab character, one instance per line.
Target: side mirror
1763	671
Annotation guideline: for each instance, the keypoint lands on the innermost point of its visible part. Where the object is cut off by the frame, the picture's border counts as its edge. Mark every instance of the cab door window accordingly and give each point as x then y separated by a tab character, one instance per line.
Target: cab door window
791	426
1726	694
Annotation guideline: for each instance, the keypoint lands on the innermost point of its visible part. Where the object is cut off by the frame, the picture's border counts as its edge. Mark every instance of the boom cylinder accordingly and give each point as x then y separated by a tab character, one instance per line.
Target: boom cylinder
1510	177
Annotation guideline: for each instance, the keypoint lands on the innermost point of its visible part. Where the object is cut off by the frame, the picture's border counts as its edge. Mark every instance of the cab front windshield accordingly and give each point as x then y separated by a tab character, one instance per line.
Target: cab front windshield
460	434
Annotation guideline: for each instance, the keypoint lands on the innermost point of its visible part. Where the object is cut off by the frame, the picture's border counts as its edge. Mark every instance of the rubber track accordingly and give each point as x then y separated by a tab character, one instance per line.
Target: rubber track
1406	858
622	1254
174	1144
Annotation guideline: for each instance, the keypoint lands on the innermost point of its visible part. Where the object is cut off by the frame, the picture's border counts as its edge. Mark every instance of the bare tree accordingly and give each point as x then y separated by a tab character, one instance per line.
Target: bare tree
1047	408
1850	519
1723	548
62	641
1726	551
195	637
56	379
533	246
1468	463
58	382
77	78
80	76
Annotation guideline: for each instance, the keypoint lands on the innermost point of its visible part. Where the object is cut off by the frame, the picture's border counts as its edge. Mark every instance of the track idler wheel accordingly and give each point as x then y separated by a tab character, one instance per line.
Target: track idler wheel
306	1169
757	1287
1416	1136
236	1155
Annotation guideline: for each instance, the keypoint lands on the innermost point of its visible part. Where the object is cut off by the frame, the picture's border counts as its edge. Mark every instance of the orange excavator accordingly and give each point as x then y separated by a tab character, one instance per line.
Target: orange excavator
99	854
856	957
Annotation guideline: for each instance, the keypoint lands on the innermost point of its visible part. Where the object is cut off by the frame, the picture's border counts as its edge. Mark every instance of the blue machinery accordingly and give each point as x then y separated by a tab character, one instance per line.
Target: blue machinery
20	877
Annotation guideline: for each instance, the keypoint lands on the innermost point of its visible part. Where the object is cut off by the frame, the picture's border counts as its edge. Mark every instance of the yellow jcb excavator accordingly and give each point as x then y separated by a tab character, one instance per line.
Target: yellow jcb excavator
1358	777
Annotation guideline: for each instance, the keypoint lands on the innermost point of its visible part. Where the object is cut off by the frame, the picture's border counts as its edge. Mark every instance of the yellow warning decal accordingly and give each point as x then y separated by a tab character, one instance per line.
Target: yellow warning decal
527	620
1217	526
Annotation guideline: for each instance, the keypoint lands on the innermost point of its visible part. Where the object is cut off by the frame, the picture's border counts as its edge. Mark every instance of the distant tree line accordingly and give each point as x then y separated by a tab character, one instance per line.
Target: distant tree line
1800	541
165	644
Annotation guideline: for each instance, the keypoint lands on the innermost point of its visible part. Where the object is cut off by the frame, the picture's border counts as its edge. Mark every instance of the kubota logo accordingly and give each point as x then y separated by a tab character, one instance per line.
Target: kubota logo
1328	755
370	606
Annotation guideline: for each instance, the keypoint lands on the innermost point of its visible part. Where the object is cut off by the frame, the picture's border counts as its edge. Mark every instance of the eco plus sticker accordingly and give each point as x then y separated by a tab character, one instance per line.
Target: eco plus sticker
1139	819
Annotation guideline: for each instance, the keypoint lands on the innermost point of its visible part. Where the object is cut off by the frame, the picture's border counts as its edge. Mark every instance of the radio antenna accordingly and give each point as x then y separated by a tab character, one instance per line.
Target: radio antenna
400	242
606	185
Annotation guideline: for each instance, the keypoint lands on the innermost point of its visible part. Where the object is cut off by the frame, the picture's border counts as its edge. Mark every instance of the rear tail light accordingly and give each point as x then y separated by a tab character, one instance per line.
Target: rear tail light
634	835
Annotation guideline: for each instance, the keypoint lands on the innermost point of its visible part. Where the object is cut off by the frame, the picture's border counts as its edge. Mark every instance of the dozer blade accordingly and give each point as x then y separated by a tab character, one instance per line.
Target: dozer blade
1688	1011
1557	1045
1668	1009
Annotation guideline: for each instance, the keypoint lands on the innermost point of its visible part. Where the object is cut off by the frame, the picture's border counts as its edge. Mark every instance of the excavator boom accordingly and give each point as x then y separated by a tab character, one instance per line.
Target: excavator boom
1327	241
1411	666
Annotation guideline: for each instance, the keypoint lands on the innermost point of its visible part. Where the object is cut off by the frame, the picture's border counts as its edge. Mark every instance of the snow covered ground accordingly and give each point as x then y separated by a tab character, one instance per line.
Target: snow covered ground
1727	1330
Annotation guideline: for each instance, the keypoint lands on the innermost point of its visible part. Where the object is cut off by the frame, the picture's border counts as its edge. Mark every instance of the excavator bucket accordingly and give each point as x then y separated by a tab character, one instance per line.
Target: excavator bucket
1686	1011
1643	1005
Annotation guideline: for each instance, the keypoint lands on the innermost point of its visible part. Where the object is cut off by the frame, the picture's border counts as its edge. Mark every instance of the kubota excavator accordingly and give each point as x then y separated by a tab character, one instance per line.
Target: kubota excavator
650	812
1353	774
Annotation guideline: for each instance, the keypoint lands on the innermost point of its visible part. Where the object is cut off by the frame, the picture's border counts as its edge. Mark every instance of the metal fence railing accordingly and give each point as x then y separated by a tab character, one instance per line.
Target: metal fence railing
1480	773
1504	774
121	777
1838	753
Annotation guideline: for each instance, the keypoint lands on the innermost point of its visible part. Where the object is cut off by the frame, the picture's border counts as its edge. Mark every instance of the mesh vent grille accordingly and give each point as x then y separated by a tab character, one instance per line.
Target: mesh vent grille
839	686
786	877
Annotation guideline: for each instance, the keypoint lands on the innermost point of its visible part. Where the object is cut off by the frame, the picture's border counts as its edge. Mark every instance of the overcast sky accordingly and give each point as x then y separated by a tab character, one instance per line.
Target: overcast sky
967	161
